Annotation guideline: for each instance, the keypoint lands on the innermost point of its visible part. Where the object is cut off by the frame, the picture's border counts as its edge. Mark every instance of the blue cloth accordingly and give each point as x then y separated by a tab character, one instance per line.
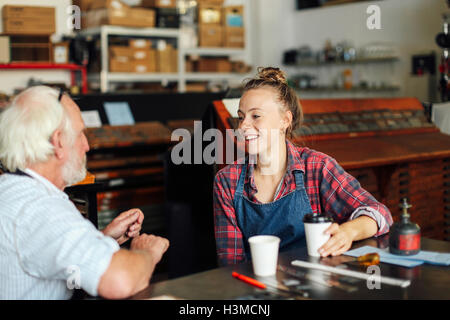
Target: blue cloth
436	258
282	218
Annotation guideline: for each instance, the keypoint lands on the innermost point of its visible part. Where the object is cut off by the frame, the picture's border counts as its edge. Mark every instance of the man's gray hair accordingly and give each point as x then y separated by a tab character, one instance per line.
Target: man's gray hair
26	127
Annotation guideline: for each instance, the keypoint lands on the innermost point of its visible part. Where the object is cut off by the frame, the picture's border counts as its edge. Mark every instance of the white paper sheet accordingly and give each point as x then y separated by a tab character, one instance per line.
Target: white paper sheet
118	113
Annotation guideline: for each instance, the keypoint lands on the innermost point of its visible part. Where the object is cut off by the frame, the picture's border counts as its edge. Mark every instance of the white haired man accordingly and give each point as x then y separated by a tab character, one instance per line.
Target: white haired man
46	246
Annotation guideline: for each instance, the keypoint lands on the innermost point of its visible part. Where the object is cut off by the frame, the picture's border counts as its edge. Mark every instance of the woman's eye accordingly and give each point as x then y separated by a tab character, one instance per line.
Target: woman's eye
255	116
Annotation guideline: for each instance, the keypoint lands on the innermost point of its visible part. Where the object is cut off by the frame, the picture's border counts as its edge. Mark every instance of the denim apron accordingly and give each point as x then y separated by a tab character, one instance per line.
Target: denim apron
282	218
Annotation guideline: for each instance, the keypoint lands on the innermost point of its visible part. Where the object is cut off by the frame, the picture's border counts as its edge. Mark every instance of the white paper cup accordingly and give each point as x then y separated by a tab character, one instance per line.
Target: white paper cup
264	251
315	227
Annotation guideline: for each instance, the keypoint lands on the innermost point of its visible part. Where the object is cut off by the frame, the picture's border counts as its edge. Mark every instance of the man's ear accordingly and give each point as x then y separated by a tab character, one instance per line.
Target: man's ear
57	141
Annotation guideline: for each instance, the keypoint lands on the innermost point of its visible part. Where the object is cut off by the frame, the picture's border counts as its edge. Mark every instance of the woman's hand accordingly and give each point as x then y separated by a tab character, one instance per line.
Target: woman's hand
340	241
125	226
342	236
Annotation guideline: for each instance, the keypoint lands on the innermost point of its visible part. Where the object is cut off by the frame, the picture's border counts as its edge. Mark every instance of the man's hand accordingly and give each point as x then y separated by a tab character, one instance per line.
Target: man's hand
125	226
154	245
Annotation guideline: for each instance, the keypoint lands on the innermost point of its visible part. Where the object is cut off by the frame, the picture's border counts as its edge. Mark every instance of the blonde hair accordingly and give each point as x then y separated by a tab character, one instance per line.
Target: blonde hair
276	79
27	125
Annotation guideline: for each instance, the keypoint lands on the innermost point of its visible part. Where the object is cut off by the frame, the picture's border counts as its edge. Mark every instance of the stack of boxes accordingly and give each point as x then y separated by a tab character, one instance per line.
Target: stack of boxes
139	56
166	57
136	57
210	29
234	35
27	32
28	20
114	12
220	26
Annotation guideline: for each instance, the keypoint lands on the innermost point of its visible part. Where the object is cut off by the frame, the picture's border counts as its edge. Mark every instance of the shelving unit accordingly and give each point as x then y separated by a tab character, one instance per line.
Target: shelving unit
105	78
356	89
321	65
52	66
350	62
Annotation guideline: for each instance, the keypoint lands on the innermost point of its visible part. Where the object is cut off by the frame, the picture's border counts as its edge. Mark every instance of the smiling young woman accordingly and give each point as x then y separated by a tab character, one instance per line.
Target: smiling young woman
280	183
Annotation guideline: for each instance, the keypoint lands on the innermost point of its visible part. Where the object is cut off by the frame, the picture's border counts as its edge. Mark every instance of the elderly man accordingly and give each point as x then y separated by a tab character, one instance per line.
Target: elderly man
46	246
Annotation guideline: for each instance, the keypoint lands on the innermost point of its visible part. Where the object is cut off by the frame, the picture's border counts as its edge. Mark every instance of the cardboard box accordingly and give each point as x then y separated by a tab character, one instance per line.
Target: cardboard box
143	66
31	26
210	14
105	4
141	17
159	3
121	64
128	17
152	60
140	67
21	12
167	60
189	66
209	2
211	36
143	54
28	20
140	43
5	53
233	16
120	51
223	65
206	65
131	53
234	37
84	5
214	65
133	59
174	60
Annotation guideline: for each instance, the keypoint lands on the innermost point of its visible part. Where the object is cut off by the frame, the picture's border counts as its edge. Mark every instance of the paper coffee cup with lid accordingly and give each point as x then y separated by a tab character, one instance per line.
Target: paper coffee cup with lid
315	226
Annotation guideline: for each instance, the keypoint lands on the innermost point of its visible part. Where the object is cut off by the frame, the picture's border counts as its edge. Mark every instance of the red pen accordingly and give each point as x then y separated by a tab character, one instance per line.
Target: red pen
249	280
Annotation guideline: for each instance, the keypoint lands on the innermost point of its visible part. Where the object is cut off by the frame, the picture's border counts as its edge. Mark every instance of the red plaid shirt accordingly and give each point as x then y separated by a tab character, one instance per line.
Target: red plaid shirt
330	190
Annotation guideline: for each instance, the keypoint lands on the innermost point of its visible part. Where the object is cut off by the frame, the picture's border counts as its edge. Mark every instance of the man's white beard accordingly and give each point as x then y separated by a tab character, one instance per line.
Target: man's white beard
74	170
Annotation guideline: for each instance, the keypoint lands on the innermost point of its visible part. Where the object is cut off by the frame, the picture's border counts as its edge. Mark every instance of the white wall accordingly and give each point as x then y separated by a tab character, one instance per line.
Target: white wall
10	80
273	30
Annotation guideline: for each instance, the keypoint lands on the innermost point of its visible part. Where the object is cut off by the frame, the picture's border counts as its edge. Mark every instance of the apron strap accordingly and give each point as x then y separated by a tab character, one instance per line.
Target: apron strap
240	185
299	182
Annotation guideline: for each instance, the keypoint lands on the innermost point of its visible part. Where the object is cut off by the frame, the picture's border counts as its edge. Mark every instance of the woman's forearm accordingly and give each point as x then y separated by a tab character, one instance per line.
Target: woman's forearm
361	228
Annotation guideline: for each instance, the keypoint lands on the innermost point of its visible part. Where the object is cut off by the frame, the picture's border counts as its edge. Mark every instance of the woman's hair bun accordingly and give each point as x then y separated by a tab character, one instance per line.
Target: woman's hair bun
272	75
